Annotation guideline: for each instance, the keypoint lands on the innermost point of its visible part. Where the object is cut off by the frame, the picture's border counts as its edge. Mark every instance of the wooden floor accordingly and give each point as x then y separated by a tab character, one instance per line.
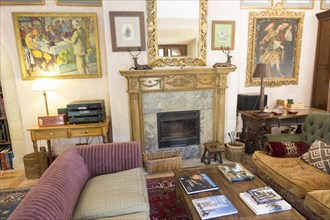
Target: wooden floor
12	179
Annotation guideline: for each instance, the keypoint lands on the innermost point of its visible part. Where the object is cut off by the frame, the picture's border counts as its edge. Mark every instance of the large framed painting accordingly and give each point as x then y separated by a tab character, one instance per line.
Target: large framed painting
22	2
275	38
57	45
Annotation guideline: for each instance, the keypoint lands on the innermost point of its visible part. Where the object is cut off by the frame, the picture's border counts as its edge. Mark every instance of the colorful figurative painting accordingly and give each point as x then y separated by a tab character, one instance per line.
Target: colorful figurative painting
57	45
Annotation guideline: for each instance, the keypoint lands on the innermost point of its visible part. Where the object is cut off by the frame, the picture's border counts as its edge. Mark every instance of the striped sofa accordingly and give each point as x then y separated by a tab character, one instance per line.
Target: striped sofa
102	181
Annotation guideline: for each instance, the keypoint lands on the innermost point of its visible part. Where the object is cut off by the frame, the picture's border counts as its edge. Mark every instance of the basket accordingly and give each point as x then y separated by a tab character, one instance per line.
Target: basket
235	151
162	160
35	164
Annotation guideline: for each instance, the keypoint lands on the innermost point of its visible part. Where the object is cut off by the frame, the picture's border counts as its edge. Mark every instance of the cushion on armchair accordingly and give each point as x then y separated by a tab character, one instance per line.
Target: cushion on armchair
318	156
286	149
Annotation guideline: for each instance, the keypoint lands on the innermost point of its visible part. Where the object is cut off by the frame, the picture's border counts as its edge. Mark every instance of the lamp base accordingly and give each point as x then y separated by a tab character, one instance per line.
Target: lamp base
262	114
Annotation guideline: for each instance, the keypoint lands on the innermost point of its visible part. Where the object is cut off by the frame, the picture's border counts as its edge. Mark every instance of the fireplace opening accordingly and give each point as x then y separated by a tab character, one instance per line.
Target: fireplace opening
178	129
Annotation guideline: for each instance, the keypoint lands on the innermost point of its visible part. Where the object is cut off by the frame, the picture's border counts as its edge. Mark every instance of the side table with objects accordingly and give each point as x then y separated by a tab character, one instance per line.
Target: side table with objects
212	150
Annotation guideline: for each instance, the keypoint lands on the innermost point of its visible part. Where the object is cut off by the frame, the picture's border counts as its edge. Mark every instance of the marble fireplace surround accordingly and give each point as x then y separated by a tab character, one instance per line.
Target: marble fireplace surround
180	84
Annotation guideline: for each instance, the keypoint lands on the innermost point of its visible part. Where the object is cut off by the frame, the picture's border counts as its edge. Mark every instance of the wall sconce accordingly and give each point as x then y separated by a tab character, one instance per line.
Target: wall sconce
43	84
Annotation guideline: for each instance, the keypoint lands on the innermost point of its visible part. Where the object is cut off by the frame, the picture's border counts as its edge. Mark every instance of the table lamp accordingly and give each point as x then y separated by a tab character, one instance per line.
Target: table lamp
262	71
43	84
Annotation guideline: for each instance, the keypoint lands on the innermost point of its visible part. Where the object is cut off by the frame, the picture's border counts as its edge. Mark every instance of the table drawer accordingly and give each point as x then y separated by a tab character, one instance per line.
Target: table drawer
44	135
86	132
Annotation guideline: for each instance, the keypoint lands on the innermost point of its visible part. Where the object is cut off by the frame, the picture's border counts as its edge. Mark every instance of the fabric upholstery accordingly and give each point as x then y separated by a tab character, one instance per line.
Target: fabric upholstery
111	157
126	190
56	193
286	149
319	202
134	216
318	156
292	174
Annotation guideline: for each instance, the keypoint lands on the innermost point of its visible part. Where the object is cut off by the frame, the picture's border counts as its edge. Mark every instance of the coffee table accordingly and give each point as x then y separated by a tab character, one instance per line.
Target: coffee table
231	190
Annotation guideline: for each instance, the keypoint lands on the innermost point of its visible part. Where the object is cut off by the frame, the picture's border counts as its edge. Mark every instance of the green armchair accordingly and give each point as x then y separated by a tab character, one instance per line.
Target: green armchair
316	127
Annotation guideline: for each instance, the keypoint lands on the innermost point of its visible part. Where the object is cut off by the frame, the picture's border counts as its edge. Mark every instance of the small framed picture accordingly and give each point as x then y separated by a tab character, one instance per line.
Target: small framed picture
127	31
298	4
22	2
223	35
79	2
249	4
325	4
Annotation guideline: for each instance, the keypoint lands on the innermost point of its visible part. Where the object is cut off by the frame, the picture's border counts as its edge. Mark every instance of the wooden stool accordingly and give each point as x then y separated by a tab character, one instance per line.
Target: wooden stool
212	150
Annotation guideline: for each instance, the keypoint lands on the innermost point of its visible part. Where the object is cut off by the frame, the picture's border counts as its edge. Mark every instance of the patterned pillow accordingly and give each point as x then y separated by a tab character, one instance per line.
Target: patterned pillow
318	156
286	149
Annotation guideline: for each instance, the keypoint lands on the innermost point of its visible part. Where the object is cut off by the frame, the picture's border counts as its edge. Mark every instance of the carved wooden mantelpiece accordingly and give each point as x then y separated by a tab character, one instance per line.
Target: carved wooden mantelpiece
170	80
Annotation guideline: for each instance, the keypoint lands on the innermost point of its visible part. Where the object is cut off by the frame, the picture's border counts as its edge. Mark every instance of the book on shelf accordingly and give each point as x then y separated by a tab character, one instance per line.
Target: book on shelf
235	172
264	195
197	183
214	206
267	208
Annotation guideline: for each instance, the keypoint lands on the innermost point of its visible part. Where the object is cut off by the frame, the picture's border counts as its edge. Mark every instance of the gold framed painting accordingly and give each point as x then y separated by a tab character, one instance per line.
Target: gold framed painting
57	45
275	38
96	3
223	35
22	2
298	4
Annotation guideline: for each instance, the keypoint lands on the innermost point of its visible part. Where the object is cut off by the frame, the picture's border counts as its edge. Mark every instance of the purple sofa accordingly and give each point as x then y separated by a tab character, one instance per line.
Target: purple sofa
59	190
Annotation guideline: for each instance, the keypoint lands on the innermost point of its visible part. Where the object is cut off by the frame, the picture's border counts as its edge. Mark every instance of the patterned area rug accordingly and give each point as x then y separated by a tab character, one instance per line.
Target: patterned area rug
9	200
162	200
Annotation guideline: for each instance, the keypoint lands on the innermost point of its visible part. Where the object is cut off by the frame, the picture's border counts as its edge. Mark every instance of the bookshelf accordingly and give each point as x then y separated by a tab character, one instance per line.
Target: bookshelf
6	152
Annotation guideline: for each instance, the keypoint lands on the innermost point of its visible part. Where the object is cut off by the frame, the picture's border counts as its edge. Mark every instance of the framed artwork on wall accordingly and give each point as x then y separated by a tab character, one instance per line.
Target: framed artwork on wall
223	35
22	2
275	38
127	31
253	4
298	4
325	4
57	45
79	2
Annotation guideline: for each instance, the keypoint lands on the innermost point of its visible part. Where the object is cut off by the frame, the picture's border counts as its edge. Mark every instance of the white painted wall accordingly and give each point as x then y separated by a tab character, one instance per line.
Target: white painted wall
112	86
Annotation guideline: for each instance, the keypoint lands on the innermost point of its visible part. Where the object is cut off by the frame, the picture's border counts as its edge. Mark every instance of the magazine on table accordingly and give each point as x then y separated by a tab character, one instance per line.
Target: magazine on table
264	195
235	172
214	206
198	183
261	209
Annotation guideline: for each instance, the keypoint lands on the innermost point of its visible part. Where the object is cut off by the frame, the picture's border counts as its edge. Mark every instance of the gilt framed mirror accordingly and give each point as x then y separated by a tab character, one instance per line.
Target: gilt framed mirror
177	32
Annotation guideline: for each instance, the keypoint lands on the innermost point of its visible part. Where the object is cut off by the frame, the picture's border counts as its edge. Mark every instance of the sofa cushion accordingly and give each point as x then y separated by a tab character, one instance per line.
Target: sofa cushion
113	195
134	216
292	174
318	156
319	202
286	149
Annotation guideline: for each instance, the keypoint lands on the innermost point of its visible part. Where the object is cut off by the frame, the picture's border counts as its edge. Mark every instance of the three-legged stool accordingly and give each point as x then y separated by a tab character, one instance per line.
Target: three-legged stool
212	150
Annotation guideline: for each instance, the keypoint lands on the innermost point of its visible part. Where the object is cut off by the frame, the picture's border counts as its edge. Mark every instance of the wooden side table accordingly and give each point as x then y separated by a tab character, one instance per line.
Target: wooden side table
212	150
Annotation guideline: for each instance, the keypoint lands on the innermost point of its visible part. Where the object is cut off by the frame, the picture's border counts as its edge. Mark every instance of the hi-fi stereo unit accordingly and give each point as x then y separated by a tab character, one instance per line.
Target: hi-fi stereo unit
86	111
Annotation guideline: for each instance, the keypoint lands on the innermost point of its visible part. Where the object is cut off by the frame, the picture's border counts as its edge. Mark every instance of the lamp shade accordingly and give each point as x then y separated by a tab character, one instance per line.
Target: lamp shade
262	70
44	84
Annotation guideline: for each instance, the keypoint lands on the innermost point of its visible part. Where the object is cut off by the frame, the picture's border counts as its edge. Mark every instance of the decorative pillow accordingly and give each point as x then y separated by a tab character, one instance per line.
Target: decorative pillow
318	156
286	149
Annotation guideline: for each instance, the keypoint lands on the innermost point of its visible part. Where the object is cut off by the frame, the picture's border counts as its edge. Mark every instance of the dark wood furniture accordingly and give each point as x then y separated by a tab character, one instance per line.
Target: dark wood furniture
255	127
321	82
231	190
212	150
102	129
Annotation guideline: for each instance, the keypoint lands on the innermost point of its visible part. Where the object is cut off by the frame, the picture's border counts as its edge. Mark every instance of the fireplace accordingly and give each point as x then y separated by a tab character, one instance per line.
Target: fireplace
178	129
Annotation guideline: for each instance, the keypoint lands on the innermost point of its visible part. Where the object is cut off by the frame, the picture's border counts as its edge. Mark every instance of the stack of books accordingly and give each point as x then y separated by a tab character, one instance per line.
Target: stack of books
264	200
235	172
214	206
197	183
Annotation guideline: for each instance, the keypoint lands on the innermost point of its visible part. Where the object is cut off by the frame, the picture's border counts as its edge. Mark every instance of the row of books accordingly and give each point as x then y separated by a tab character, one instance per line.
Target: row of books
260	200
4	131
6	157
